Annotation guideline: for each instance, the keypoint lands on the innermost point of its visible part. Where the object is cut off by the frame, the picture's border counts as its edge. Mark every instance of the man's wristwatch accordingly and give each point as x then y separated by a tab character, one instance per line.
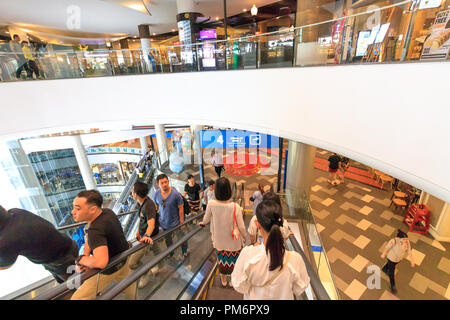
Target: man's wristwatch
77	260
147	235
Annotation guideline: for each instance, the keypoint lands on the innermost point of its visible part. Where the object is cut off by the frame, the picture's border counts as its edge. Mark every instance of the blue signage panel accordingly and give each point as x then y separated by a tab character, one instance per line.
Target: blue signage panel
237	139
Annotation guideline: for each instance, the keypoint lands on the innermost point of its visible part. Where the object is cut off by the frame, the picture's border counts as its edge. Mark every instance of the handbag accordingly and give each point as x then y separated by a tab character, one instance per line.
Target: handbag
235	234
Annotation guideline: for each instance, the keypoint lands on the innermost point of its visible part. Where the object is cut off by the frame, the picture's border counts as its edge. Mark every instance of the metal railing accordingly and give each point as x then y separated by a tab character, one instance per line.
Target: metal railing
320	43
63	288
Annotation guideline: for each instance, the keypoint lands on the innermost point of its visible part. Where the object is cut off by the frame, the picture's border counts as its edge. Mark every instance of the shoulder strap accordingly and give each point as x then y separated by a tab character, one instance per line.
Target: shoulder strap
279	271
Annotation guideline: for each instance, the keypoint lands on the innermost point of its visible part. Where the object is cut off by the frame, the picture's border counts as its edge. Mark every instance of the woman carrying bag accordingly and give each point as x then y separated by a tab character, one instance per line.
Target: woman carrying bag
227	228
396	250
268	271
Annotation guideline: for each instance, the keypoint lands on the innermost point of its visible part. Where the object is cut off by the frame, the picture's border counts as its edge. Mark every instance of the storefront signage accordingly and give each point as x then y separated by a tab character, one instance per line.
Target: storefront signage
208	34
437	44
113	150
237	139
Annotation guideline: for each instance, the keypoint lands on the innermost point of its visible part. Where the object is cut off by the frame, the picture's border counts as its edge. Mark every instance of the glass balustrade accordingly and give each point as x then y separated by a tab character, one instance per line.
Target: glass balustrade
379	33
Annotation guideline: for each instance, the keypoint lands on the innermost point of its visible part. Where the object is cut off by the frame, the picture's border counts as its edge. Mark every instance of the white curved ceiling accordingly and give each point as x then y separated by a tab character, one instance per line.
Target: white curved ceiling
369	113
108	18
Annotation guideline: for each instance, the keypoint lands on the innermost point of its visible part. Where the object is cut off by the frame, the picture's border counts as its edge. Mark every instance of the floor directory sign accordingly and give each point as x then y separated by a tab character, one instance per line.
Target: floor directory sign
238	139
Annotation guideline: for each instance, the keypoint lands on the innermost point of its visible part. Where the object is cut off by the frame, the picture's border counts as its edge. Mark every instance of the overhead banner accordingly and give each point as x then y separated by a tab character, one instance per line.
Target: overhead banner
238	139
437	45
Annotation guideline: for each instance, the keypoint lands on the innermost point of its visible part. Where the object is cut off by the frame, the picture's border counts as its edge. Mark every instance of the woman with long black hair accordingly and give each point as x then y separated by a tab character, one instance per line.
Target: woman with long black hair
269	271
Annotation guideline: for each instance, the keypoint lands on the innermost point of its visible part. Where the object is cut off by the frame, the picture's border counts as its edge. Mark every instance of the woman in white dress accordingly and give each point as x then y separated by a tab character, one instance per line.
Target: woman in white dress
268	271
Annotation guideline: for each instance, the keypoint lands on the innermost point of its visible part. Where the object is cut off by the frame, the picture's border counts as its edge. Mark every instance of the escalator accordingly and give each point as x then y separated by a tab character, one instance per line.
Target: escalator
196	277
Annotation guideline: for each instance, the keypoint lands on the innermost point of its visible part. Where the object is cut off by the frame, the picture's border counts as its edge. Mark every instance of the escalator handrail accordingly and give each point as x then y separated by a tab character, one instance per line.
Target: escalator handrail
314	280
133	277
62	288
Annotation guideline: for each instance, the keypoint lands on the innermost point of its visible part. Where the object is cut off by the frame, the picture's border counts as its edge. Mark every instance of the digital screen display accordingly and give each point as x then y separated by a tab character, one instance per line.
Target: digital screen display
362	43
208	34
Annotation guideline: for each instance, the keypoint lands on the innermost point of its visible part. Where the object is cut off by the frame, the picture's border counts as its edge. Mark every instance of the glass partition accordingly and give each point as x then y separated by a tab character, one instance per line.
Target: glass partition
377	32
297	211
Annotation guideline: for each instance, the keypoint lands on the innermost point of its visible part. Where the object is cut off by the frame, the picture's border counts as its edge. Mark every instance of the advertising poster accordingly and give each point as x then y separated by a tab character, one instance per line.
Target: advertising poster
437	44
362	43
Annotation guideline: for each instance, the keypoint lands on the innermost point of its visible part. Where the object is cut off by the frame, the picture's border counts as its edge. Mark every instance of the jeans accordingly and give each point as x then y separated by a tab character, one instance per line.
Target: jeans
169	241
22	65
218	170
389	268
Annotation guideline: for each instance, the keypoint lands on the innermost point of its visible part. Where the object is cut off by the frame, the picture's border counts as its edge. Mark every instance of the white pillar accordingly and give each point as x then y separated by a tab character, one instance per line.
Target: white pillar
144	35
186	6
83	163
196	145
144	145
162	142
300	166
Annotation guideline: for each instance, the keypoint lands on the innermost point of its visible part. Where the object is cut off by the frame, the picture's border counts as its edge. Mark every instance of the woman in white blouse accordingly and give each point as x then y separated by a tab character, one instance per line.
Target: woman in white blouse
226	219
268	271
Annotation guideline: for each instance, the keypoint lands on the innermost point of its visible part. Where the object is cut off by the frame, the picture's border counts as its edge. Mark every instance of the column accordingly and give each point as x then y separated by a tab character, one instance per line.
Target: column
126	54
83	163
300	164
186	17
197	150
162	143
143	141
144	35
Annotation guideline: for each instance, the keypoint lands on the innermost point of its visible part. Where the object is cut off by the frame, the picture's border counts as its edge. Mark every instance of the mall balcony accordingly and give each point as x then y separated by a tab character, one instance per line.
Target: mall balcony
368	83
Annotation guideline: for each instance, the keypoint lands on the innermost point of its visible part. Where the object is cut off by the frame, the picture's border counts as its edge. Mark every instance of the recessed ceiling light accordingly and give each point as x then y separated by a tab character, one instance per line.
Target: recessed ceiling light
154	34
244	10
173	30
217	18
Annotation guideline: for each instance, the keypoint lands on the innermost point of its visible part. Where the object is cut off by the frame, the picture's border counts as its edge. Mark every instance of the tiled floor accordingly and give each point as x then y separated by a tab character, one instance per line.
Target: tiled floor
356	223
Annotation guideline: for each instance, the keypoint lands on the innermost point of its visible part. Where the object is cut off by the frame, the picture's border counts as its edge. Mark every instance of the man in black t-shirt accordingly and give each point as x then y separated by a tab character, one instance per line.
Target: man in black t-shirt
148	228
194	193
105	239
333	167
26	234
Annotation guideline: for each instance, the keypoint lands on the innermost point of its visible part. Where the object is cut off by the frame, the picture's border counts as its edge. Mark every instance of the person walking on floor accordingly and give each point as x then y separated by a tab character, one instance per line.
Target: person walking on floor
31	60
269	271
344	164
16	49
333	167
105	240
396	250
148	228
217	161
257	196
227	228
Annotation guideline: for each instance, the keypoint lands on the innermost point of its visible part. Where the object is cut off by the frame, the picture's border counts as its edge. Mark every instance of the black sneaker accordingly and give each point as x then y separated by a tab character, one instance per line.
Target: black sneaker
394	290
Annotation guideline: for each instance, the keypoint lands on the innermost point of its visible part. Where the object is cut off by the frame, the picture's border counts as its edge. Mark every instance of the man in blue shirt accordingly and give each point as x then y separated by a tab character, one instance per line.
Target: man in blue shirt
171	212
